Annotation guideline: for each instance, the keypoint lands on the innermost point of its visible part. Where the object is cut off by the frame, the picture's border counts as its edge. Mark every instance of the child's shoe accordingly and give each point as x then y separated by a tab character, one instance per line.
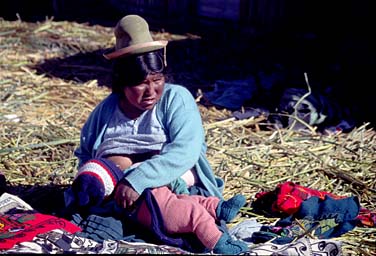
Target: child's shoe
227	245
227	210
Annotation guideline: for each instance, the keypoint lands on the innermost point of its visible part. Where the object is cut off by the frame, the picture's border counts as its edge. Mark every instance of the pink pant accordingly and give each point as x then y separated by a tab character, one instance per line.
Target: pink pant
185	214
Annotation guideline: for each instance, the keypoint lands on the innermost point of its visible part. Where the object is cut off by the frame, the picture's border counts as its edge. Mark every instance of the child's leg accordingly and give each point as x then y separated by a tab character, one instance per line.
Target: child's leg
210	203
182	215
219	209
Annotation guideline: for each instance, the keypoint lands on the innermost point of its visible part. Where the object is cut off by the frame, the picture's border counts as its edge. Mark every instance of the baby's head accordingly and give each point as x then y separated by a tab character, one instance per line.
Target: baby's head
95	181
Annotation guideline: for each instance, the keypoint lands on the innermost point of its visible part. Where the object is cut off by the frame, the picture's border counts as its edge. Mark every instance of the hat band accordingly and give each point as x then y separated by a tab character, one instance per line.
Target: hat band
129	49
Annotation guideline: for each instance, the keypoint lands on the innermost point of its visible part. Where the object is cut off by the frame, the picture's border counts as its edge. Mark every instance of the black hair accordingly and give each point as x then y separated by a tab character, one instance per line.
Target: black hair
132	70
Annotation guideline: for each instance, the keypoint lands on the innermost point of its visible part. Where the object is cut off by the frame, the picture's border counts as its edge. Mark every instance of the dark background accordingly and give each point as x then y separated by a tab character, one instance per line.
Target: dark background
330	40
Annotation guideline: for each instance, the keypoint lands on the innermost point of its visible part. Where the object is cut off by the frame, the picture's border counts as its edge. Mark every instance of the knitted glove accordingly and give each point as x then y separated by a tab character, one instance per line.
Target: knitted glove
95	181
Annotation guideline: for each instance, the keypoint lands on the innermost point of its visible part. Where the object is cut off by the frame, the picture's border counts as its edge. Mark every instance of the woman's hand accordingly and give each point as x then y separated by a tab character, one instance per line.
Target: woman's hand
125	195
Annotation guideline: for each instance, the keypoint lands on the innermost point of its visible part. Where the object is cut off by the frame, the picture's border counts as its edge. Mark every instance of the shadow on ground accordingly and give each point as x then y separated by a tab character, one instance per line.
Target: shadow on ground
82	67
195	63
47	199
199	63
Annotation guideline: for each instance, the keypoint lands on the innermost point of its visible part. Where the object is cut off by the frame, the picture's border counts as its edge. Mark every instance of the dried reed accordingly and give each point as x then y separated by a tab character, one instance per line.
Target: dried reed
41	116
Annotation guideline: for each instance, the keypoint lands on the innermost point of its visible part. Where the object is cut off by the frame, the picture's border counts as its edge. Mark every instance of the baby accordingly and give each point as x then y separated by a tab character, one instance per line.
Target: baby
181	213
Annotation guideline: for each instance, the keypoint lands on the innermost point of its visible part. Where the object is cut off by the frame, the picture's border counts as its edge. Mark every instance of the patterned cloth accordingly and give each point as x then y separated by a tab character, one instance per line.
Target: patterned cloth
58	241
20	227
63	240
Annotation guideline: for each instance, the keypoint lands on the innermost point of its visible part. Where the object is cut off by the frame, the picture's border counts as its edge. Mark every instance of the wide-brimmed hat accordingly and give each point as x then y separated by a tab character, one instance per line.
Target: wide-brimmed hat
133	37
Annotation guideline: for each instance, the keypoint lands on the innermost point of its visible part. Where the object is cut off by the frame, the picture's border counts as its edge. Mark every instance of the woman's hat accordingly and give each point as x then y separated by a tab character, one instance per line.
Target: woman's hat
133	37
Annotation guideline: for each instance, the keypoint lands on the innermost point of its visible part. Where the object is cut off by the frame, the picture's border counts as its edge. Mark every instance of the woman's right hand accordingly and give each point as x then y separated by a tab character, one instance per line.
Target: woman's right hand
125	195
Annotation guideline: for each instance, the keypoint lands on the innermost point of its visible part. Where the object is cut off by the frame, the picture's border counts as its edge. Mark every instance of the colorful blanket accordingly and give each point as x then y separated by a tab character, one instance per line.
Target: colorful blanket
60	236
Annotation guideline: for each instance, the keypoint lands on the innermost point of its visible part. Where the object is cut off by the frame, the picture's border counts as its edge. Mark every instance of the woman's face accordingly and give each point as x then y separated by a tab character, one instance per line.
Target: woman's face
145	95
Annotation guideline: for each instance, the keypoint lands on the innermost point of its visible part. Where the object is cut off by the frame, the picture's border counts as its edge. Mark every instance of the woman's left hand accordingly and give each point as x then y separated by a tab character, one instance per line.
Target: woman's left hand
125	195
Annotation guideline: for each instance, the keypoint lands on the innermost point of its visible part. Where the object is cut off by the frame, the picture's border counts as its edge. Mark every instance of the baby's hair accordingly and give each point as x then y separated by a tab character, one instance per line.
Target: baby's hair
132	70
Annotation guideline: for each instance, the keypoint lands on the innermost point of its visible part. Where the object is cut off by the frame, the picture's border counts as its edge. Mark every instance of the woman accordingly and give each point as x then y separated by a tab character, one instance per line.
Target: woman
153	131
162	118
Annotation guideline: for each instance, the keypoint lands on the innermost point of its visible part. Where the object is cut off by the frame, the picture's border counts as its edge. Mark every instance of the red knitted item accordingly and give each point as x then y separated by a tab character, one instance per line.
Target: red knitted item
289	197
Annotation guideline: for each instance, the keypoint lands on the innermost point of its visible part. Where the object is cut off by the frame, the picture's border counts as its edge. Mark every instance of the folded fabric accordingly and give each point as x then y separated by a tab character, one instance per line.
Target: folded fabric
232	94
108	222
245	229
286	199
99	228
24	226
367	218
300	247
324	219
315	109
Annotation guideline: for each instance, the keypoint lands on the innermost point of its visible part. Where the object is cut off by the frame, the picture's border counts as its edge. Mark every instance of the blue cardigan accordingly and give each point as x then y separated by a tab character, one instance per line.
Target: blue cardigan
179	115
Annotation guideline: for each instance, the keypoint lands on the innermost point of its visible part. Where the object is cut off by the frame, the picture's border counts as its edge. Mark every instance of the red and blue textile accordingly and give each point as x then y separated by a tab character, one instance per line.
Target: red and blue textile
286	199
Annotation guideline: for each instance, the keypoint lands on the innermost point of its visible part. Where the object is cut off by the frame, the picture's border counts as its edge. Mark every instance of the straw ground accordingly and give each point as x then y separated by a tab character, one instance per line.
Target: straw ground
52	76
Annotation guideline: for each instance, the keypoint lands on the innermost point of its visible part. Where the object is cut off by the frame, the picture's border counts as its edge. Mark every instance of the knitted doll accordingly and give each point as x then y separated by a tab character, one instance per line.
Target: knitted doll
96	180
